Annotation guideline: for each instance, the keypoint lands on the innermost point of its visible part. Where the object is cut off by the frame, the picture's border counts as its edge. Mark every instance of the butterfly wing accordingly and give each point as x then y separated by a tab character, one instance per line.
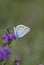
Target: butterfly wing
21	30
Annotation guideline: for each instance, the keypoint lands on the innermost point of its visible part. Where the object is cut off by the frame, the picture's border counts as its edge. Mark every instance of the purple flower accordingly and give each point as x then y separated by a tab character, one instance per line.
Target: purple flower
1	53
39	64
17	61
9	37
6	53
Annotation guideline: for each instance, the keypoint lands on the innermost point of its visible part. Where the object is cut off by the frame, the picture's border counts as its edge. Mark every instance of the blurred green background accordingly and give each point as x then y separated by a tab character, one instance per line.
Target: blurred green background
31	14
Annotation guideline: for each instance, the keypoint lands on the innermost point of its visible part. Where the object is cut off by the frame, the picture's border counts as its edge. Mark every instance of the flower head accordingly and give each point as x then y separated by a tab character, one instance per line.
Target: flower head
1	53
6	53
39	64
17	61
9	37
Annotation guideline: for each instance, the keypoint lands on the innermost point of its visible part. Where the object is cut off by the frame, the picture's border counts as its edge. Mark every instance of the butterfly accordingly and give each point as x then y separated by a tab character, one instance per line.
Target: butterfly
21	30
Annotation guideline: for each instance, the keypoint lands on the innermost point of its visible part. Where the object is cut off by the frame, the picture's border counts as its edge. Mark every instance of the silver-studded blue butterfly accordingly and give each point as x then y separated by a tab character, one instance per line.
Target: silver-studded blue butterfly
21	30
